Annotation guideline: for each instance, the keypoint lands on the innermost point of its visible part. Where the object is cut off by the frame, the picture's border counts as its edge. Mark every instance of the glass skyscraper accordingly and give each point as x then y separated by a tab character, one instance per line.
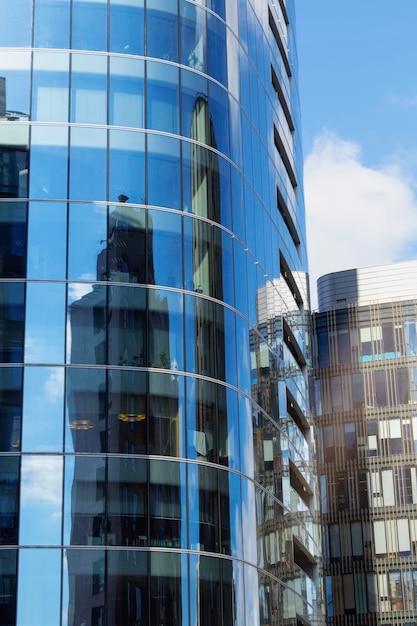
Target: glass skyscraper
366	378
156	463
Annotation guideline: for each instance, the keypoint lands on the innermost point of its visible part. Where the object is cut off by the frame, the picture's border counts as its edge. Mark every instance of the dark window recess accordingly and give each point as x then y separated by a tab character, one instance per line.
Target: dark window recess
284	11
292	345
303	558
295	412
288	221
279	43
284	156
290	280
299	484
280	95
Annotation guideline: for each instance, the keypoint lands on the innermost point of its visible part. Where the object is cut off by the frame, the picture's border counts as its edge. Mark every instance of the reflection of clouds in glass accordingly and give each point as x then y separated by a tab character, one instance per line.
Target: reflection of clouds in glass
42	480
54	384
77	290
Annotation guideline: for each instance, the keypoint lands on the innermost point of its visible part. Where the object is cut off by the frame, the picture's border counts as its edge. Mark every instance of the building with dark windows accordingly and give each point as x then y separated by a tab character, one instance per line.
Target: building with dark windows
157	446
365	338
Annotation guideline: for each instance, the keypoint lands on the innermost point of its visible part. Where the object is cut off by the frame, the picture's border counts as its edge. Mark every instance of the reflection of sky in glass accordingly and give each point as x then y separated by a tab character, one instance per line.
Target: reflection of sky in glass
45	322
39	587
40	500
43	409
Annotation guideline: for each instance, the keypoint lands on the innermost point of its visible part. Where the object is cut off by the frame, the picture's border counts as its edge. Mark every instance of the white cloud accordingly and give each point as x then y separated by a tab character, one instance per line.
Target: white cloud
356	215
42	480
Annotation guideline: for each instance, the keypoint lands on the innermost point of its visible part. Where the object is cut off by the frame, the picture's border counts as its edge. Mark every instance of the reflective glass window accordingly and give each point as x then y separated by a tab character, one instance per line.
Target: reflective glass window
127	588
167	504
127	167
87	164
45	323
203	508
87	241
126	100
193	36
10	408
89	89
219	117
230	514
9	501
14	82
194	109
126	26
163	105
43	408
210	591
39	589
12	313
217	67
85	410
164	243
50	87
162	29
83	584
166	414
47	231
16	23
165	333
40	500
127	326
51	29
8	585
128	501
89	25
13	217
243	356
87	330
248	520
164	164
49	162
86	518
126	252
128	416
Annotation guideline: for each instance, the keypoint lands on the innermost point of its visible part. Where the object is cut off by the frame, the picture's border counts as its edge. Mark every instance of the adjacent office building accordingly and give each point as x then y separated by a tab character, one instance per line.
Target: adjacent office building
365	336
156	463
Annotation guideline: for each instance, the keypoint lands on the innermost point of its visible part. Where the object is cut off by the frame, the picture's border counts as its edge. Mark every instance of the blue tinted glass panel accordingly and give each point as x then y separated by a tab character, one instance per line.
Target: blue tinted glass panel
39	587
43	409
127	326
126	26
11	309
45	323
89	25
50	87
15	23
52	23
11	408
164	244
127	167
217	65
86	341
46	234
163	105
87	239
193	36
194	107
49	162
88	164
164	165
14	81
13	225
40	500
89	89
127	412
166	411
9	502
85	410
127	92
166	337
126	251
162	29
219	117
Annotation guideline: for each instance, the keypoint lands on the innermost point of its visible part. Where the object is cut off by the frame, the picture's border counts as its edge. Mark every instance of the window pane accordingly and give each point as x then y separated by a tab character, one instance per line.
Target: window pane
39	587
52	23
126	92
126	26
46	233
43	408
162	29
45	323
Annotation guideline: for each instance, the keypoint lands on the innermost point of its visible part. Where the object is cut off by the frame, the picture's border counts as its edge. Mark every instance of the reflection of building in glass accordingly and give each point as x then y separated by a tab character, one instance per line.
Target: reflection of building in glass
365	370
156	444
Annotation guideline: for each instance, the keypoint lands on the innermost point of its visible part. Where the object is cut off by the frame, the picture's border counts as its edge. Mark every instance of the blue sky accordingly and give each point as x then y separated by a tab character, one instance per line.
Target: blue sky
358	90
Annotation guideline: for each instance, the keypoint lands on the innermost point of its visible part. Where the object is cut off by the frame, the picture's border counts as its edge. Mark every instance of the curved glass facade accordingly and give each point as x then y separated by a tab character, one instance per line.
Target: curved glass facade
156	444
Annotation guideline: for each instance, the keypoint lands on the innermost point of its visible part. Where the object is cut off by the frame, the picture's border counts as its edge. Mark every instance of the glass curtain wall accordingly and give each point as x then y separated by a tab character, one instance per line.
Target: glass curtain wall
156	446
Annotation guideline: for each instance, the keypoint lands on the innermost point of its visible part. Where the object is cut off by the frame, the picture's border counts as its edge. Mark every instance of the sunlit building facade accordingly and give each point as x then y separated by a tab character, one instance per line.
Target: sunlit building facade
365	337
157	450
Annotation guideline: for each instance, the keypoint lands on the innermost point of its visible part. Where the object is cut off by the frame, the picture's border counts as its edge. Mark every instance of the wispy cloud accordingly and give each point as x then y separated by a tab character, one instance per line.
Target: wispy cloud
356	215
404	102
